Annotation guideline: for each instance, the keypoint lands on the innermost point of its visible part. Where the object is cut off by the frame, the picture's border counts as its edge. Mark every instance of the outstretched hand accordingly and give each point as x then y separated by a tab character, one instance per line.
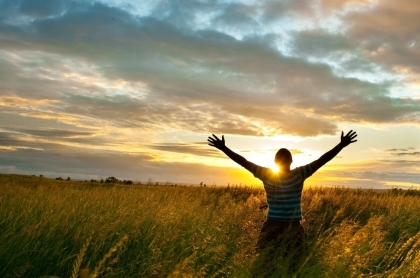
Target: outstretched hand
216	142
348	139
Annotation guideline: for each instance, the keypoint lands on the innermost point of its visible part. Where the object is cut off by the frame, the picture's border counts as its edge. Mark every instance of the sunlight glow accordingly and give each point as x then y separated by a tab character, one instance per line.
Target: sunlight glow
275	168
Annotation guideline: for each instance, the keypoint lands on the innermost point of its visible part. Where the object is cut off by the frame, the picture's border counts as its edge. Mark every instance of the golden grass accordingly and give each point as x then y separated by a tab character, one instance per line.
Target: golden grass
72	229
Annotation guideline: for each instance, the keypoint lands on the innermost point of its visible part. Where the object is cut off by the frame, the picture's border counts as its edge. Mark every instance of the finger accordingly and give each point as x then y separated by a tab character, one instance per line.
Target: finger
350	136
353	136
353	141
211	145
348	133
342	133
223	138
217	138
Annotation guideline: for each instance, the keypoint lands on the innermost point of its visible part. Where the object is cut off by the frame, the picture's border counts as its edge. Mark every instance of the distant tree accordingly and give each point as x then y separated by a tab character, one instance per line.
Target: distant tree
93	181
41	176
112	180
59	178
68	179
128	182
102	181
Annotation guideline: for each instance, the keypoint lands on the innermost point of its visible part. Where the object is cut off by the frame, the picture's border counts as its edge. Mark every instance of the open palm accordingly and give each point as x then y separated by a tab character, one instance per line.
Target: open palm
348	138
216	142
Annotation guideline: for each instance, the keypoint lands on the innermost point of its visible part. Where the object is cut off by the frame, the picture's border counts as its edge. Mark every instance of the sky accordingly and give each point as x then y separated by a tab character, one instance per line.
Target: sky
132	89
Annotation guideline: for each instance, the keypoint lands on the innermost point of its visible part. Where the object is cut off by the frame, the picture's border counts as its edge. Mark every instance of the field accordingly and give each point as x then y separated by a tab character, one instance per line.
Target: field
54	228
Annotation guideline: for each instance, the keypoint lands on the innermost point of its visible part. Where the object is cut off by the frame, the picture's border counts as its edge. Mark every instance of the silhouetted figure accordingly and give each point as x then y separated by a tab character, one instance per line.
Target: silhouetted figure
282	234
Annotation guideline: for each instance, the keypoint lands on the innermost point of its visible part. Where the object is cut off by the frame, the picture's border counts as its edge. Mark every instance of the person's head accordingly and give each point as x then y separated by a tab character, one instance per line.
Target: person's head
283	158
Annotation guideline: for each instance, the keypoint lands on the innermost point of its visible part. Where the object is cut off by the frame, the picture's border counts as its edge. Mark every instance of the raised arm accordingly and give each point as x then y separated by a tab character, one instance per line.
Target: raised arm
345	141
220	144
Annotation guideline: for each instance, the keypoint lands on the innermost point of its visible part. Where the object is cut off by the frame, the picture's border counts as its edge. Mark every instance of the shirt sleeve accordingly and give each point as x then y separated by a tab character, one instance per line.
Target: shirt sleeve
259	172
305	171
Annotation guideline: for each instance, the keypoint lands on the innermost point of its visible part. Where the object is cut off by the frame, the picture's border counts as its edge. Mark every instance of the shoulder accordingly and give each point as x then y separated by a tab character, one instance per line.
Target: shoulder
305	171
257	168
260	172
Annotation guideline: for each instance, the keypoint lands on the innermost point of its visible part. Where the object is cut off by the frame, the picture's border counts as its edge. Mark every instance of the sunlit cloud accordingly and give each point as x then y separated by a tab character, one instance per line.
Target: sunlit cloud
19	102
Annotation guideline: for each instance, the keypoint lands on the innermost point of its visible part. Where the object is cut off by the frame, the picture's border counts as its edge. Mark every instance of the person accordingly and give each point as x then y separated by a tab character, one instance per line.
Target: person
282	228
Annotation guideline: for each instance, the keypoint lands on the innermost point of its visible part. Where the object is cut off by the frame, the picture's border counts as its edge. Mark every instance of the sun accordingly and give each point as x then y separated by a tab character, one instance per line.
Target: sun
275	168
264	159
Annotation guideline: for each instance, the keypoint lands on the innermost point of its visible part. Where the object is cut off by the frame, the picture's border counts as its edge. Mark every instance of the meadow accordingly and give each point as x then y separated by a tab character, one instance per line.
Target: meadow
52	228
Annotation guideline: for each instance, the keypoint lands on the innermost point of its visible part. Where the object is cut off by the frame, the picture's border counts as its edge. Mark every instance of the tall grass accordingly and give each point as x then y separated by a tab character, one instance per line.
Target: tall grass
70	229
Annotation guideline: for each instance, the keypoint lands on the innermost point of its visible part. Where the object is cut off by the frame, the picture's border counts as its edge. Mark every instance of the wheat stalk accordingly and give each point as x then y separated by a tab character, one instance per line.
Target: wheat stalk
99	267
79	258
401	253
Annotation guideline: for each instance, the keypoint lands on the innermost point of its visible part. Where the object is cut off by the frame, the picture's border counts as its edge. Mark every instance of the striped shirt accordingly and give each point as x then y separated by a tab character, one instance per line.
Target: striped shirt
284	191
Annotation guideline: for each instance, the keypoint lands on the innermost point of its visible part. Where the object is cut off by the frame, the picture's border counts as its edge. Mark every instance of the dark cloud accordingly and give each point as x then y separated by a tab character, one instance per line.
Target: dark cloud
407	154
54	140
238	17
273	10
399	149
188	148
400	162
320	44
42	8
8	140
94	163
53	133
403	152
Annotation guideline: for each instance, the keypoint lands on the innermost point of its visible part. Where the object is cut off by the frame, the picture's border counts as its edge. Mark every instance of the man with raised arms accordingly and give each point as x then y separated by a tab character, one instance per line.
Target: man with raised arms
283	190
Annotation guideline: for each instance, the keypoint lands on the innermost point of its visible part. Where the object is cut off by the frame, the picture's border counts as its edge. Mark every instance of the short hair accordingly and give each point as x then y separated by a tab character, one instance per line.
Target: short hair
283	156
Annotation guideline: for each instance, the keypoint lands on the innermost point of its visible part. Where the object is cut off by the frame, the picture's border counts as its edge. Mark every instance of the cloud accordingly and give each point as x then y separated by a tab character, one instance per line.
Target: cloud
293	151
259	91
42	8
387	33
403	152
8	140
273	11
188	148
320	44
17	101
238	17
399	149
407	153
53	133
55	140
374	173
